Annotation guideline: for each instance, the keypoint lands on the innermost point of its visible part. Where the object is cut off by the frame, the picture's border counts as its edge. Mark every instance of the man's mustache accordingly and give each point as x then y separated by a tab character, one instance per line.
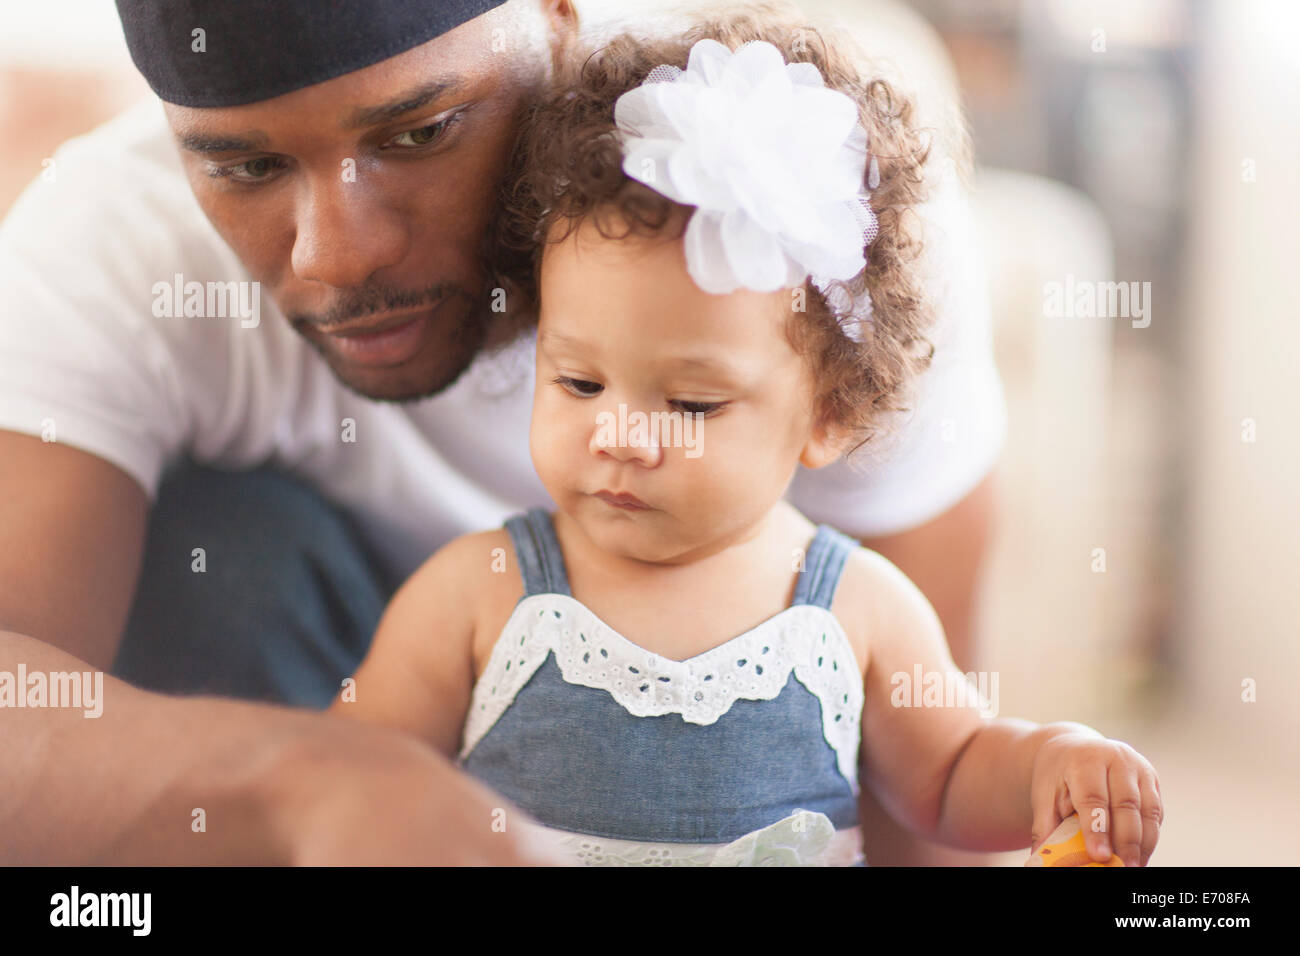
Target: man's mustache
372	301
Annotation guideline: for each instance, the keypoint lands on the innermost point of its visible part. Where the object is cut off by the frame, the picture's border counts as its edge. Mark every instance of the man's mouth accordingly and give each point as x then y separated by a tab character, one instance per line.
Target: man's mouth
383	340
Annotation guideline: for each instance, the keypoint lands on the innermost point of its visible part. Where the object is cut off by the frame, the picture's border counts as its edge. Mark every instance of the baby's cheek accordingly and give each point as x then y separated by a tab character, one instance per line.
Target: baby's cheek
560	440
542	444
729	476
757	455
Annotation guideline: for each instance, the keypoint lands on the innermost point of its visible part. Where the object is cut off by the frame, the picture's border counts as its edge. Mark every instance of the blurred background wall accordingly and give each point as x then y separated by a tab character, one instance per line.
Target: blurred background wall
1143	573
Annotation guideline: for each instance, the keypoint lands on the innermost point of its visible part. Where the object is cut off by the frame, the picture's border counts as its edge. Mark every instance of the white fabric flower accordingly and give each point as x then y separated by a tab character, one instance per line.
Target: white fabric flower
772	160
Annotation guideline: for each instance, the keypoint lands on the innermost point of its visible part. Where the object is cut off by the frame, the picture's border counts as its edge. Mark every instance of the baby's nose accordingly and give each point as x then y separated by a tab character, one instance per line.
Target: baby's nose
628	436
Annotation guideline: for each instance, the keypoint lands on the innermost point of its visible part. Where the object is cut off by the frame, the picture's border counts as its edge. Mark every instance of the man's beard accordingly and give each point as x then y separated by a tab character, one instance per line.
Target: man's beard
463	325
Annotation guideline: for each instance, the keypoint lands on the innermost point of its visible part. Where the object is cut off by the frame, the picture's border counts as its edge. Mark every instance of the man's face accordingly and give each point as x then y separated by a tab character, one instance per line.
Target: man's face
361	203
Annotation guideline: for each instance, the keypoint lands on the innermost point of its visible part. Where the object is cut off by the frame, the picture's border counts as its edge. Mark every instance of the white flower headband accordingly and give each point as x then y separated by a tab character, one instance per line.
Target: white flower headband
772	160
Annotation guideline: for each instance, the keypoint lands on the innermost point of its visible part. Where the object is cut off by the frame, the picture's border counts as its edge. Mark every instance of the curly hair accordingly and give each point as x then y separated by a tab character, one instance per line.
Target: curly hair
566	167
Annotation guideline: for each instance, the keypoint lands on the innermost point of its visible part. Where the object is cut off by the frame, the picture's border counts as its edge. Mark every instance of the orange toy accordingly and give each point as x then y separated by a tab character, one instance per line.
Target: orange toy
1065	847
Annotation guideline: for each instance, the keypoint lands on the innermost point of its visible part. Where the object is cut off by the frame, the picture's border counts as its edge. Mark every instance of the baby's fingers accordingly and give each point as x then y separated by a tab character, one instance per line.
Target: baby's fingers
1090	795
1153	813
1125	821
1046	819
1050	805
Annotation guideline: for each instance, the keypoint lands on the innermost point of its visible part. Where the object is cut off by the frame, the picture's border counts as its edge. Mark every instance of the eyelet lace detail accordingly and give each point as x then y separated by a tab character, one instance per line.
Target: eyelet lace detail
805	639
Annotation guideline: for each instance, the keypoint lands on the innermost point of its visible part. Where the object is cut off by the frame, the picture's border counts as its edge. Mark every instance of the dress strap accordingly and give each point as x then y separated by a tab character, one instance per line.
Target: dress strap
541	563
823	565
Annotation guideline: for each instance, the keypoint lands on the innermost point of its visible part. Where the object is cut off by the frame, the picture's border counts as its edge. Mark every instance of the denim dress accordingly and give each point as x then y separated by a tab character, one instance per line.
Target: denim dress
743	755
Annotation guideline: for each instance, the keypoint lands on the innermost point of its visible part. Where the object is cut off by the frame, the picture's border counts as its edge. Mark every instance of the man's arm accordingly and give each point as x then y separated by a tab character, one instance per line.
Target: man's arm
274	785
164	780
71	538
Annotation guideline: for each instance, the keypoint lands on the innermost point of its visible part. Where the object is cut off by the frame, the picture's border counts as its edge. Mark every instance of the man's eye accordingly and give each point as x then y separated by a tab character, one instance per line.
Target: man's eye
697	408
421	137
253	171
579	387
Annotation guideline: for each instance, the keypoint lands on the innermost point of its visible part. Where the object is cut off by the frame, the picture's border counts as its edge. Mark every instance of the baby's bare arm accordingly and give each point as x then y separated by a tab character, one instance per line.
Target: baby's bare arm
937	765
419	672
987	805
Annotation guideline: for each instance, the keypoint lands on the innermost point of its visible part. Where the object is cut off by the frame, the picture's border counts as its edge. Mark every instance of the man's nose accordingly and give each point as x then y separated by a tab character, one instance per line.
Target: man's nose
626	436
344	236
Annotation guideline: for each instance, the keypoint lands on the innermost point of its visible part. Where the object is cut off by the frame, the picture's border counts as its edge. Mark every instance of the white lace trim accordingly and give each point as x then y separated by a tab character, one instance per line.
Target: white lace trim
804	838
805	639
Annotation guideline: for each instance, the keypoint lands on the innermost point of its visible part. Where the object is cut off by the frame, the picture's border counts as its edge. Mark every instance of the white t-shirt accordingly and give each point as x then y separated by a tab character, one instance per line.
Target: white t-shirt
84	360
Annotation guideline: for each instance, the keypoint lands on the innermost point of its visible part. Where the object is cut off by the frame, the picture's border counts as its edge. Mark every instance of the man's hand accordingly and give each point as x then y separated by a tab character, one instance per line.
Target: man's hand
399	803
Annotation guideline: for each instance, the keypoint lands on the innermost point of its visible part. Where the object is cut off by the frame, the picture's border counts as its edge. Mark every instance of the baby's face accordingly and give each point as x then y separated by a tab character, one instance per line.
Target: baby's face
693	404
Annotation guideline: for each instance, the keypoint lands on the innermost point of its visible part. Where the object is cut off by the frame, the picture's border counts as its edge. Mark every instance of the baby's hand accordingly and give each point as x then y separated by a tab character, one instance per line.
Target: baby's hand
1110	785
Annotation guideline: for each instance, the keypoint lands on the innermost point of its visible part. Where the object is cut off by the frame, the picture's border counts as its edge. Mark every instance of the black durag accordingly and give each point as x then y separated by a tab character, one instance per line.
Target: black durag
229	52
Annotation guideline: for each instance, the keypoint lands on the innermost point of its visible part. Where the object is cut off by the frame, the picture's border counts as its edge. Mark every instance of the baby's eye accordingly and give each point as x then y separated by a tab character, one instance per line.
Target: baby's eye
579	387
697	408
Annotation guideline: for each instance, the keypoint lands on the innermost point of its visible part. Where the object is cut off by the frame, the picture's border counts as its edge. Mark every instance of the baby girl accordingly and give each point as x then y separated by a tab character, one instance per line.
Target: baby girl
675	666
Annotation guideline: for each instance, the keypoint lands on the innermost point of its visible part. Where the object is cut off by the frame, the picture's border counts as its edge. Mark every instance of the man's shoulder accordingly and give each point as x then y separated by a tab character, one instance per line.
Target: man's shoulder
114	210
121	182
137	138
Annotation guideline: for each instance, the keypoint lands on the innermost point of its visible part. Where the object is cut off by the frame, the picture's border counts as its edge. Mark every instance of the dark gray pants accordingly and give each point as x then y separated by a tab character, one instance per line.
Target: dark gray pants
285	608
